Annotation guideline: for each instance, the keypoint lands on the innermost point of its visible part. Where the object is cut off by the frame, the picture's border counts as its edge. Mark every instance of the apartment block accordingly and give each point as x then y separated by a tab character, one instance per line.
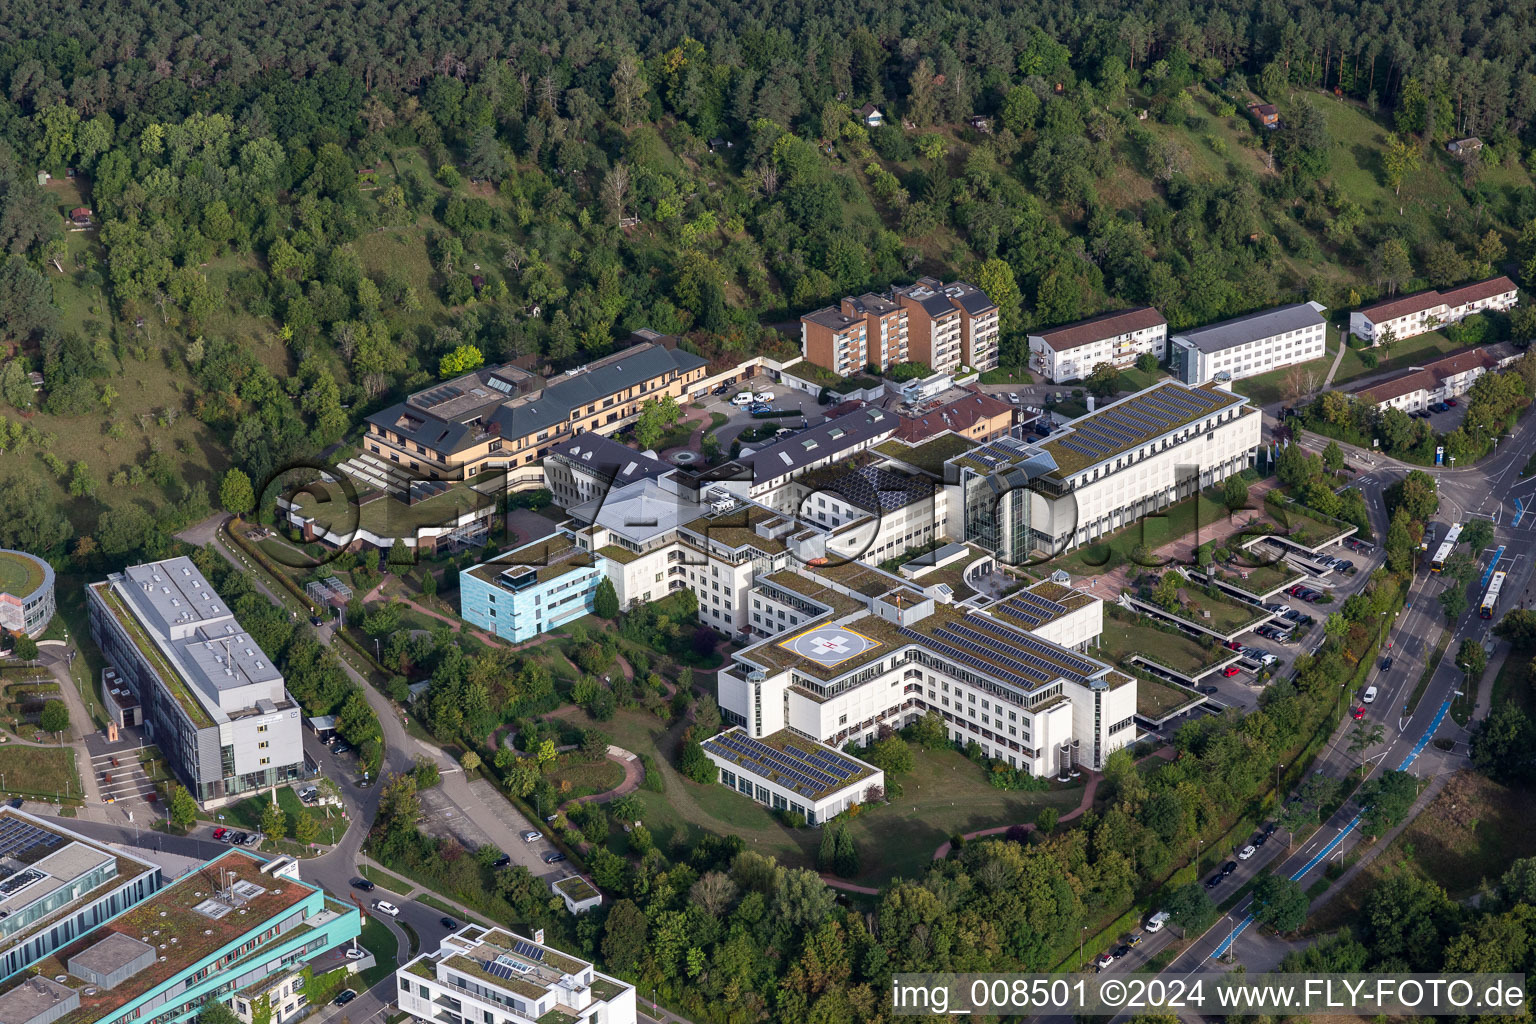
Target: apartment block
1418	387
836	340
1420	312
1071	351
934	324
209	697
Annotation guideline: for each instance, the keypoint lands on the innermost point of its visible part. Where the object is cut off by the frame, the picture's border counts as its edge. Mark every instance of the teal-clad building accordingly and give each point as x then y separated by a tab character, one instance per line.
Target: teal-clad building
217	930
532	589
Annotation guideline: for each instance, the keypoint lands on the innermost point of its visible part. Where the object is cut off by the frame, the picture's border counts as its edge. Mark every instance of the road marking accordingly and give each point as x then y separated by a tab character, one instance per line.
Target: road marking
1413	755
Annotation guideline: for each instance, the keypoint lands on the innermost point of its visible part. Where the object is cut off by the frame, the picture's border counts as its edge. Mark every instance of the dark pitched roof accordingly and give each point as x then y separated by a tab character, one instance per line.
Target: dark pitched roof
608	458
1460	362
819	442
1106	325
1263	324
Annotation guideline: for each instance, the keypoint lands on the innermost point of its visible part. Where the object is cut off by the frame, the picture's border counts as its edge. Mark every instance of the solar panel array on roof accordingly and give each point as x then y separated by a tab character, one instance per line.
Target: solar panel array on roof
1137	420
524	948
951	650
994	648
831	763
805	777
19	838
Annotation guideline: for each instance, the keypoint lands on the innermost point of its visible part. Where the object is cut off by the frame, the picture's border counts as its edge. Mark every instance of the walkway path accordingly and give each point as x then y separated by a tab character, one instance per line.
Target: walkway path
1082	806
634	774
1337	359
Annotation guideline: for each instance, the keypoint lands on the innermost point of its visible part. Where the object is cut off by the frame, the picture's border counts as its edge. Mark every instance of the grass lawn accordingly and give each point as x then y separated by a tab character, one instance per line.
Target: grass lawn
1471	832
1126	634
1409	352
384	880
247	815
1265	388
1151	532
946	793
1155	699
1228	615
1261	579
380	941
39	771
1304	528
1513	683
575	778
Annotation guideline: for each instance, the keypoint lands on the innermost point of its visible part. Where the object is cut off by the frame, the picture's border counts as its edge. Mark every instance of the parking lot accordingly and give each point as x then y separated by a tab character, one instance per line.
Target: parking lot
810	413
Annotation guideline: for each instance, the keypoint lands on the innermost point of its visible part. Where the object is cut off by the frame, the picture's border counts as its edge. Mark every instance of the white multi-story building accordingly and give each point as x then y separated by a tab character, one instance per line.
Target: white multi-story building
860	649
1420	312
1247	345
1420	386
590	465
1102	471
1071	351
492	976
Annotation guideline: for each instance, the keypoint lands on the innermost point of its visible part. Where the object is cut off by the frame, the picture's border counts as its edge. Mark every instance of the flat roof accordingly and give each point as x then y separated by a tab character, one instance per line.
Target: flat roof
812	769
548	558
1263	324
928	456
501	959
21	574
639	512
178	922
1134	421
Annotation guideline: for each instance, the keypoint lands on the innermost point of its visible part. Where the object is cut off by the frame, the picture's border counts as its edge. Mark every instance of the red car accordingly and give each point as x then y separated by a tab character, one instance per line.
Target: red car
1451	402
1230	671
1232	645
1359	712
220	833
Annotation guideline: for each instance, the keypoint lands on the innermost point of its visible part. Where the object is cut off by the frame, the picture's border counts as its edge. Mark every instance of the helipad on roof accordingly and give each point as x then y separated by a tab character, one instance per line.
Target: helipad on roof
829	644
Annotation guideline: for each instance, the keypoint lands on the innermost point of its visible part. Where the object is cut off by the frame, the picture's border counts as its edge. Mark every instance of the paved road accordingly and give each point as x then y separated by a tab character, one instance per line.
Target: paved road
1485	491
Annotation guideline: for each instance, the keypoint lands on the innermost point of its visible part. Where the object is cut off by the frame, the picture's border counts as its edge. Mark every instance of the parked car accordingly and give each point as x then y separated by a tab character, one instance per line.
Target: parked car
1247	851
382	907
448	922
1386	663
1451	402
356	954
220	833
531	836
1231	645
238	838
363	884
252	839
1369	696
1214	880
1156	921
764	396
1358	713
1013	397
554	858
502	861
1134	940
1260	839
347	995
341	748
1229	672
1122	950
1104	959
1227	868
316	620
1209	691
721	389
743	398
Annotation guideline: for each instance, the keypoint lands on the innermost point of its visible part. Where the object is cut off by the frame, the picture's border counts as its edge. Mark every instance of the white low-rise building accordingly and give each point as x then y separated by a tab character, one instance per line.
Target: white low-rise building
1249	345
790	773
1410	315
493	976
1418	387
1071	351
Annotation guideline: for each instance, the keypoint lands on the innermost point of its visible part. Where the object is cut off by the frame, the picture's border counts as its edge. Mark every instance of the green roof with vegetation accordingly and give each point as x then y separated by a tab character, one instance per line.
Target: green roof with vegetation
929	456
156	658
577	888
20	573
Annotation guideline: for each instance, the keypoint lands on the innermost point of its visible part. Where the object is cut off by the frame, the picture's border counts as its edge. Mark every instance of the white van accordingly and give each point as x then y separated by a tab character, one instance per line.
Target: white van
743	399
1156	921
1369	695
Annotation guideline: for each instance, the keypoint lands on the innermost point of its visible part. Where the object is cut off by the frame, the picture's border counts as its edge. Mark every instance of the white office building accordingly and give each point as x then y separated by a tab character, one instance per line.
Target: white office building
1248	345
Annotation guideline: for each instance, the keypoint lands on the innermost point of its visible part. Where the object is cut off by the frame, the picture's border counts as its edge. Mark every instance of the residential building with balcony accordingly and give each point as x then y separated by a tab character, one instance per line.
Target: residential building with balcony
1418	387
1249	345
493	976
1071	351
56	885
1411	315
980	325
215	932
935	325
211	699
836	340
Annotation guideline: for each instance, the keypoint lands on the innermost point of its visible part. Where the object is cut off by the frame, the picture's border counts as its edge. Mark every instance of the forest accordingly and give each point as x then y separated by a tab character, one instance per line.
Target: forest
296	213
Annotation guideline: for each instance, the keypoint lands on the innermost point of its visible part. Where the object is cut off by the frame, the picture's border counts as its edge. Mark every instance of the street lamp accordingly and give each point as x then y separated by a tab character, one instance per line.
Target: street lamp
1278	767
1080	936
